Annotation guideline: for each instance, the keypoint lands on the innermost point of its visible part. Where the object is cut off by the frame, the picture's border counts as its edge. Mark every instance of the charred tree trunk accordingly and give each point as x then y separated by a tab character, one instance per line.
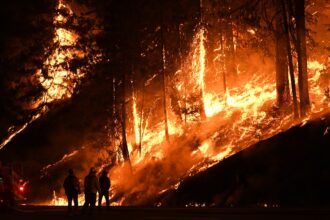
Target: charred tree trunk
126	65
163	73
180	33
229	44
291	68
282	81
113	111
302	57
141	121
201	23
214	33
123	122
230	52
223	66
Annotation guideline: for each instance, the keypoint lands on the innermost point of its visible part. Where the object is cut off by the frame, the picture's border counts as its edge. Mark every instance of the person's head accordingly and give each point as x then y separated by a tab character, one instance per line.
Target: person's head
70	171
92	170
104	173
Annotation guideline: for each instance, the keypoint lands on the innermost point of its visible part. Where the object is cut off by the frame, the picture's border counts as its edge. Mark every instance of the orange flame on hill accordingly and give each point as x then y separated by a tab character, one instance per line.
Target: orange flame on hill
234	121
242	116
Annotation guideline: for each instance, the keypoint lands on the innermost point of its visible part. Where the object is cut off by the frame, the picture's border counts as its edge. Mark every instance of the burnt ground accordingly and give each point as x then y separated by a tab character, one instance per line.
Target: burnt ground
140	213
290	169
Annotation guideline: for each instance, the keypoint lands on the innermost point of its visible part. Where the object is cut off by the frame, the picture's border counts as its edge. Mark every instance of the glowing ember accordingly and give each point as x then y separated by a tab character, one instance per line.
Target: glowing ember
251	31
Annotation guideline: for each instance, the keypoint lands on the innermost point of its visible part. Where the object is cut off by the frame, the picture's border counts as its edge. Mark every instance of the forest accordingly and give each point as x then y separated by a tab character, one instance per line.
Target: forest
154	91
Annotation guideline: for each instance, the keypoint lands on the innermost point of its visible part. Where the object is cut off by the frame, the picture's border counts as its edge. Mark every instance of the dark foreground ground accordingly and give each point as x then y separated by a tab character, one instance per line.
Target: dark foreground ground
122	213
291	169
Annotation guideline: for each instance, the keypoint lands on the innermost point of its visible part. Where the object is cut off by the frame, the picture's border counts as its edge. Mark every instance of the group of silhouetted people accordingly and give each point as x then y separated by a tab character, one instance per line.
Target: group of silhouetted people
92	186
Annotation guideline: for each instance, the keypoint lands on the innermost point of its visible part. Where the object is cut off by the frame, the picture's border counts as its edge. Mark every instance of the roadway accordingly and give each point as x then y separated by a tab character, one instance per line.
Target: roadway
139	213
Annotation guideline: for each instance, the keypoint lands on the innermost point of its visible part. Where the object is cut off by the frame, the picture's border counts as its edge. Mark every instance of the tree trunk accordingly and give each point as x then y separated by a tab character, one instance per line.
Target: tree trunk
180	27
302	57
222	67
125	70
282	81
164	95
113	112
164	72
141	121
229	45
291	68
123	123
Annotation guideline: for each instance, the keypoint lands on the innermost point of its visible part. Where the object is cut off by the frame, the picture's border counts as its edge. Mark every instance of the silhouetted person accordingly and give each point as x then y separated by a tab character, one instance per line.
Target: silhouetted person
104	188
72	189
91	187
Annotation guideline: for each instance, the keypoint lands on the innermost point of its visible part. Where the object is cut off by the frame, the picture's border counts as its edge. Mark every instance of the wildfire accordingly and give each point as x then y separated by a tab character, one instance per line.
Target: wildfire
234	120
241	117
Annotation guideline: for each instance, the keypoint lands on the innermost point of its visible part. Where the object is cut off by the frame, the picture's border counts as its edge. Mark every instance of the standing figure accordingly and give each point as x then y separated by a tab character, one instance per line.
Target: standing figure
104	188
72	189
91	187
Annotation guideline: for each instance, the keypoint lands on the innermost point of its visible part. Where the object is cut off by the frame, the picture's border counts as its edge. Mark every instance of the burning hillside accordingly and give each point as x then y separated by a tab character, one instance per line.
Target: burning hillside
234	120
294	173
157	100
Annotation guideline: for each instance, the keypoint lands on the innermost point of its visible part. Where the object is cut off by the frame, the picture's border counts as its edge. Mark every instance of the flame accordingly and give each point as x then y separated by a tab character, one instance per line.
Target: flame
65	37
61	201
198	63
60	82
136	121
201	63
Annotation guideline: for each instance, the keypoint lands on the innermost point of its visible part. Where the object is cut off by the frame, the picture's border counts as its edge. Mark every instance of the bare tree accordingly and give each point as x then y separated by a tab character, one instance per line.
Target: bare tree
299	14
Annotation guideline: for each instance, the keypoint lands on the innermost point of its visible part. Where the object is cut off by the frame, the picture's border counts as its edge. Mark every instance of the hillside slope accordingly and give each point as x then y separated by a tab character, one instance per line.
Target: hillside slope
291	168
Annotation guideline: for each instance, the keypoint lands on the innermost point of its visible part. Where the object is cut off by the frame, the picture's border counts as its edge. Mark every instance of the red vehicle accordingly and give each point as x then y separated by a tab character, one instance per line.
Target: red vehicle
12	185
